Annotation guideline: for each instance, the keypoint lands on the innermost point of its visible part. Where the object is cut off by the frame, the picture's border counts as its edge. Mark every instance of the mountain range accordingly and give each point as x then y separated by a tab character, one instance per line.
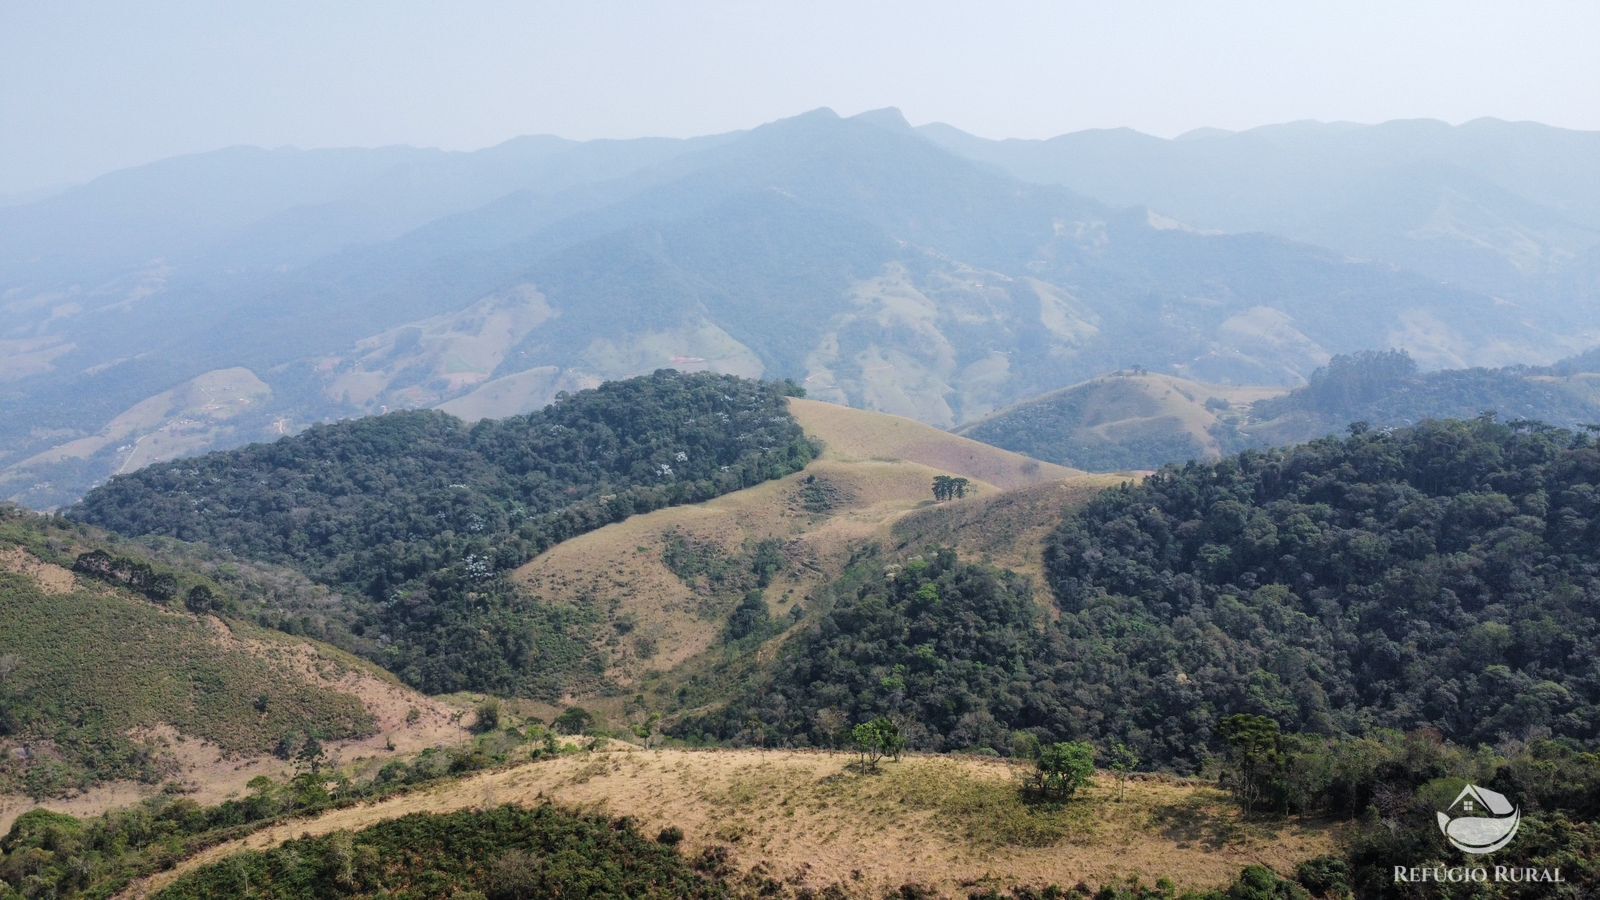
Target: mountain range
213	300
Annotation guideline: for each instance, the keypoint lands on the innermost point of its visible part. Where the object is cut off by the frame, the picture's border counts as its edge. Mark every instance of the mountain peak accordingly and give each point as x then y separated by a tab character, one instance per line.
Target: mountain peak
887	117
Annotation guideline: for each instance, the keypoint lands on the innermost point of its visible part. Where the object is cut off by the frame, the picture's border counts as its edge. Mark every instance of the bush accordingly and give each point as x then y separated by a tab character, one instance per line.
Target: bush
573	720
1061	769
488	716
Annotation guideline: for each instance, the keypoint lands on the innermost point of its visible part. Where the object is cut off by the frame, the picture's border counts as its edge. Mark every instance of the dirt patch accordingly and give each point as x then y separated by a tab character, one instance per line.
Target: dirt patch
51	578
807	816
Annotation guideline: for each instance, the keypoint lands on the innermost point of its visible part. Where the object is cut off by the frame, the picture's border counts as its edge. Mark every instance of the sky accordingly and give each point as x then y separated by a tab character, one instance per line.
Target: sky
88	87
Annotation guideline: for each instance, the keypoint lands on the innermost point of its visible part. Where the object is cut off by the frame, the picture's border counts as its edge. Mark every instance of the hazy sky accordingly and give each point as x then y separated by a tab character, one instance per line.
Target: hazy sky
86	87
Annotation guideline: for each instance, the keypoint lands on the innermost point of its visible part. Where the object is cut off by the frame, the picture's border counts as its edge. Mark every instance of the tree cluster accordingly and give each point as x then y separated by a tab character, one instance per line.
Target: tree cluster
949	487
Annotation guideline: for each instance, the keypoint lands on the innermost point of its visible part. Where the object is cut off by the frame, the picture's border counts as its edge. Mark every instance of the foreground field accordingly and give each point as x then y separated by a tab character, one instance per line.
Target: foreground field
945	823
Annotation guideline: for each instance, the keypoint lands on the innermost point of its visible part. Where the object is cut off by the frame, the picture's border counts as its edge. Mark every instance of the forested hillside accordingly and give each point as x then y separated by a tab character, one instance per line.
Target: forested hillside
1440	576
415	516
1385	388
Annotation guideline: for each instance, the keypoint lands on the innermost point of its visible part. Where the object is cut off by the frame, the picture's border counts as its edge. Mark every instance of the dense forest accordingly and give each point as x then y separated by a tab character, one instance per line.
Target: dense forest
951	649
1440	576
416	516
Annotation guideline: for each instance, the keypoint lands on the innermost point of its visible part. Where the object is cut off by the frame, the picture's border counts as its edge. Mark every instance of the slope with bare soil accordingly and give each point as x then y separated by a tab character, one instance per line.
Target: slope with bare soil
947	823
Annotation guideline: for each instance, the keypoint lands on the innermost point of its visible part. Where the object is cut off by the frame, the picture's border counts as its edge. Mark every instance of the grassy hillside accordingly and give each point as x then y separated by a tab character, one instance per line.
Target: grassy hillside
1006	529
806	820
1123	422
89	668
103	683
854	435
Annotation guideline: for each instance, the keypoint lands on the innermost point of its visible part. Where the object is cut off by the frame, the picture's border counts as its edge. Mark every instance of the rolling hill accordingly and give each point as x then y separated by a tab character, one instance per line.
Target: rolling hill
110	687
1124	421
1130	421
664	584
855	256
416	517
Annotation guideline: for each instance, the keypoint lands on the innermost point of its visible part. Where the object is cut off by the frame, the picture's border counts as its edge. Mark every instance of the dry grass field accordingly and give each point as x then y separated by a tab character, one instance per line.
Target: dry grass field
946	823
849	434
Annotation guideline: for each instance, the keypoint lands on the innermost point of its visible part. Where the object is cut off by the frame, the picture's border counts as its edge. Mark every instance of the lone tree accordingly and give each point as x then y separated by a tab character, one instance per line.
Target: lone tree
876	739
946	487
200	600
1256	761
311	757
1061	769
1122	763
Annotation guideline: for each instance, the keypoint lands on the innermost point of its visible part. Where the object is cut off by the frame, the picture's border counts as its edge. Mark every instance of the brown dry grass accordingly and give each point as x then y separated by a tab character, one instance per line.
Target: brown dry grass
1133	408
945	822
856	434
1006	529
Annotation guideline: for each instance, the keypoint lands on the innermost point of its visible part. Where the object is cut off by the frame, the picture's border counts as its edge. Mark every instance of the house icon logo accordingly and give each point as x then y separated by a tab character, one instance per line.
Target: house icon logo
1480	820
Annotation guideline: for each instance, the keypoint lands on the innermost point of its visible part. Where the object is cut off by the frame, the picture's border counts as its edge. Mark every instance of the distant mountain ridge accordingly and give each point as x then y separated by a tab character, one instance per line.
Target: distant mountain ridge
856	256
1133	420
1508	208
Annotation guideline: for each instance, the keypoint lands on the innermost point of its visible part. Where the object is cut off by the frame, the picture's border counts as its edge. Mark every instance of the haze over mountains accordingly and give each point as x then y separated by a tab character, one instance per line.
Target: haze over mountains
217	299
